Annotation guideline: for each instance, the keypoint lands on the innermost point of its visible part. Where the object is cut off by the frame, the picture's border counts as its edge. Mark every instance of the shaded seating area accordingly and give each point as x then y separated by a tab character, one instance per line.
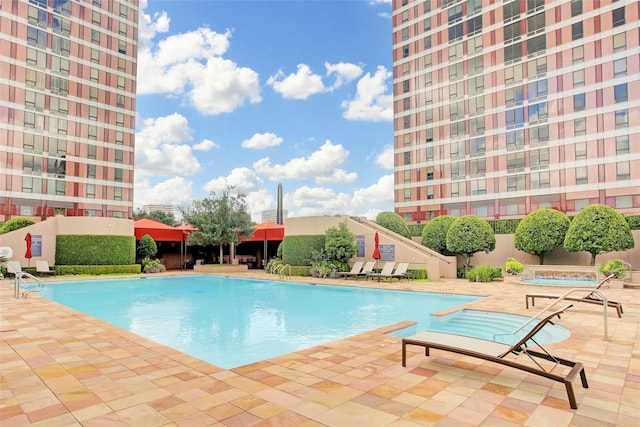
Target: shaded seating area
590	298
42	268
497	352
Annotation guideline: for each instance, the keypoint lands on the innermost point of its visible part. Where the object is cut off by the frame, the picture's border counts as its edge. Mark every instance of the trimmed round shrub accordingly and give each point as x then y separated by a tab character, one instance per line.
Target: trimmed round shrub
393	222
16	224
513	267
434	234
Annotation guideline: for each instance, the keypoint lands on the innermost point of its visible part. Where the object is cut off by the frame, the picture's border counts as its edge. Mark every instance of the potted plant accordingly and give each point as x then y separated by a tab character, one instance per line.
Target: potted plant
618	269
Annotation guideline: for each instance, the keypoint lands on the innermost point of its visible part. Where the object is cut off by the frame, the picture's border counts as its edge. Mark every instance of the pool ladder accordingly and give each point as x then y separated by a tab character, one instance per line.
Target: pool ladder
280	271
20	284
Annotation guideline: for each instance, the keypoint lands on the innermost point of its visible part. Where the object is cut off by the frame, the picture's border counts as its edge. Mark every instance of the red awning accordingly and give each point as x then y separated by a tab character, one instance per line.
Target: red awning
159	231
267	231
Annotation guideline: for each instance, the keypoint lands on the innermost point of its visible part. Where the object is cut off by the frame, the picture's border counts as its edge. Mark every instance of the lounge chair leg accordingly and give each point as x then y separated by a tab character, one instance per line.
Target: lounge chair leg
571	395
526	301
404	354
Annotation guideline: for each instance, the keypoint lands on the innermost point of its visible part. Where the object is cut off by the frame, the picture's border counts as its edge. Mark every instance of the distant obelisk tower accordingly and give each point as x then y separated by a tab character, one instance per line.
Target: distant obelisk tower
279	218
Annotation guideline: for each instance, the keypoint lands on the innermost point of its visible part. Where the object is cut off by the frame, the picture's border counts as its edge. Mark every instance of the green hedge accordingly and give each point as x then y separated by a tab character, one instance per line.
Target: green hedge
420	274
298	250
97	269
634	222
95	250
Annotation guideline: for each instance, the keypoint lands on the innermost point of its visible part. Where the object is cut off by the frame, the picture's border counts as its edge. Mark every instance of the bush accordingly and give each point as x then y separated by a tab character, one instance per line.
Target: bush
272	265
340	246
152	265
321	265
420	274
615	267
393	222
513	267
147	247
461	271
434	234
298	250
95	270
16	224
633	221
541	231
95	250
484	273
470	234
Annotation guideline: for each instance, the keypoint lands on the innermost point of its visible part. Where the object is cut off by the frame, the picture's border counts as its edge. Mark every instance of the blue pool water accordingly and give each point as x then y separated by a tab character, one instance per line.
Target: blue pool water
560	282
230	322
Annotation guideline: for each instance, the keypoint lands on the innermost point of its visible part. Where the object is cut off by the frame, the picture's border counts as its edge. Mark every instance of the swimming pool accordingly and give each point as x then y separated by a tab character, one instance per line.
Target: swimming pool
231	322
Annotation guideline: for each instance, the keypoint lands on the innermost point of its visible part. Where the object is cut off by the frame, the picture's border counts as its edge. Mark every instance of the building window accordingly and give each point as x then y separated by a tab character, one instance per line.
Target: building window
91	152
624	202
515	183
122	64
474	25
620	92
430	173
578	78
576	7
33	143
512	31
618	16
620	67
622	144
122	47
407	122
124	10
539	157
513	75
515	117
95	56
93	112
540	179
580	126
91	191
535	23
623	171
537	89
456	51
515	140
93	93
533	5
456	71
511	10
579	102
95	18
581	175
581	151
476	106
577	54
513	52
458	189
427	42
117	175
619	42
91	171
539	134
95	36
34	100
515	161
538	112
117	193
429	192
478	166
119	119
478	186
455	32
93	132
577	31
537	67
580	204
622	119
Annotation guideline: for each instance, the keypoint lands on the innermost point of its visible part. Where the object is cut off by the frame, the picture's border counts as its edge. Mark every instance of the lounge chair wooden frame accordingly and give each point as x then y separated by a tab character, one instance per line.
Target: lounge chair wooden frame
496	352
591	298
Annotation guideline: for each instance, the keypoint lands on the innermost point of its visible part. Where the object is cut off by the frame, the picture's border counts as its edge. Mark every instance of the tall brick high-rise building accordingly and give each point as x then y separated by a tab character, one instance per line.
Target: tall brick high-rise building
504	107
67	107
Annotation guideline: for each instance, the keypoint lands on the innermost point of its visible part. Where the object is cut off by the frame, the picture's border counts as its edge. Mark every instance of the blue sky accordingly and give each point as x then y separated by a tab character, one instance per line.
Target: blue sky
256	93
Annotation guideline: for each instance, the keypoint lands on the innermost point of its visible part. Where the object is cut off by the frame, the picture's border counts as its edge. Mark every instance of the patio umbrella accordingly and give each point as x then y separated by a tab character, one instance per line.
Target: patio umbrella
376	247
28	254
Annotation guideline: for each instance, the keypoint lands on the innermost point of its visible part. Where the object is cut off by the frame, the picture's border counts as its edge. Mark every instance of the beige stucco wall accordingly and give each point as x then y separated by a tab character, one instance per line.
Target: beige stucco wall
405	250
505	249
61	225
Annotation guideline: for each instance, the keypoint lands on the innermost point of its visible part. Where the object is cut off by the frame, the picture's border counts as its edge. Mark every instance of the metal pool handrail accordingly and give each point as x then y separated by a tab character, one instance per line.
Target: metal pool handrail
561	298
26	291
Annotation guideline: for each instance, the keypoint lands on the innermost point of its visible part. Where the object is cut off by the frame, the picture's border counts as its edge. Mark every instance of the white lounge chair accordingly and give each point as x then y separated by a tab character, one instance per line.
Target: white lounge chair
42	267
386	271
13	267
355	270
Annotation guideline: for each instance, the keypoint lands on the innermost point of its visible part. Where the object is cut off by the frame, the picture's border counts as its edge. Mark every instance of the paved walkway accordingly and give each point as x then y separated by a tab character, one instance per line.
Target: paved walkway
63	368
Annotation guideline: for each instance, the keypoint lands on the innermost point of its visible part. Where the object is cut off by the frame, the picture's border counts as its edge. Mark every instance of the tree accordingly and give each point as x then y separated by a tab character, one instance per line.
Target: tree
220	220
147	246
541	231
163	217
434	233
470	234
340	245
16	224
598	229
394	222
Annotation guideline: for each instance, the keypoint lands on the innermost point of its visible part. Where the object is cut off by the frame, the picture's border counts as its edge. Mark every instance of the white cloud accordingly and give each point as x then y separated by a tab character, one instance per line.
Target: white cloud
190	66
300	85
371	103
244	180
161	147
311	201
339	176
345	72
205	145
385	159
175	191
262	140
149	27
380	193
258	201
322	164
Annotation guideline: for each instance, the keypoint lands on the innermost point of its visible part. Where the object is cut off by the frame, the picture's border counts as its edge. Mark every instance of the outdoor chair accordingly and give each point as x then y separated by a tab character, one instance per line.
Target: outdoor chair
386	271
13	267
355	270
42	267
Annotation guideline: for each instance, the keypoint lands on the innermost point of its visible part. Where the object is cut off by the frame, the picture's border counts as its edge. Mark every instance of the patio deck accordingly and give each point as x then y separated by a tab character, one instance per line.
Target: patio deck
60	367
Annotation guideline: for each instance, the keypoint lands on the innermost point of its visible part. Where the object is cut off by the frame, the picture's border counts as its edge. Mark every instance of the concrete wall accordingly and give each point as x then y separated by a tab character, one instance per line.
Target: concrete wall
418	257
505	249
61	225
